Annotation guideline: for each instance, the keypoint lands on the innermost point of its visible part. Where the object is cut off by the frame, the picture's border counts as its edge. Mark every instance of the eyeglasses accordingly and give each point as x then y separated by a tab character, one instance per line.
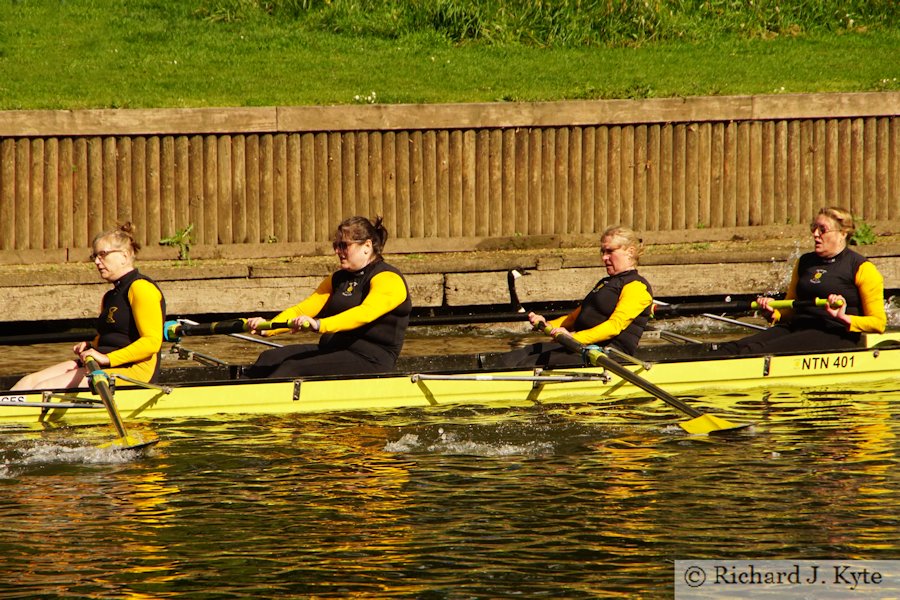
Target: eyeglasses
608	250
342	245
821	229
102	254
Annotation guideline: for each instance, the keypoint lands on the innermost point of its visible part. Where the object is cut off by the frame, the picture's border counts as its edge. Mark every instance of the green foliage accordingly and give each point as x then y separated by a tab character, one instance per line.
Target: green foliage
182	240
864	234
169	53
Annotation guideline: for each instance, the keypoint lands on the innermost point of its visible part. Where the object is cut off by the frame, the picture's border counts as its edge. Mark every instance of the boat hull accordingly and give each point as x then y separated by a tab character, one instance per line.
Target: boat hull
201	399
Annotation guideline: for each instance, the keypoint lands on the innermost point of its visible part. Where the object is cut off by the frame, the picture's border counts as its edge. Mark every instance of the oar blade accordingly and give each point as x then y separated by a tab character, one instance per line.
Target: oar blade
711	424
131	442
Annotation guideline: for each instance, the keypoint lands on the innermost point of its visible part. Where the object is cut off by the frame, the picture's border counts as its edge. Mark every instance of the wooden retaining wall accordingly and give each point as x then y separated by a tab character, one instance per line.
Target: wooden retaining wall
289	174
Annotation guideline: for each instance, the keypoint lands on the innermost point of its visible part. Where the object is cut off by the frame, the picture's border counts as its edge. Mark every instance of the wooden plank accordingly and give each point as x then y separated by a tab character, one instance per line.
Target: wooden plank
652	169
865	208
431	216
389	180
507	176
626	199
704	170
588	179
882	171
494	184
7	192
210	190
347	174
152	230
376	175
535	181
729	175
167	188
124	183
182	216
894	170
742	173
613	177
294	175
832	161
716	175
469	165
575	167
819	154
679	176
402	178
780	176
691	177
666	140
36	191
755	174
279	187
561	179
224	191
138	184
455	174
81	238
857	166
65	173
482	182
196	188
22	195
548	181
51	194
442	184
361	176
308	209
416	181
767	173
107	184
794	150
844	160
96	214
239	202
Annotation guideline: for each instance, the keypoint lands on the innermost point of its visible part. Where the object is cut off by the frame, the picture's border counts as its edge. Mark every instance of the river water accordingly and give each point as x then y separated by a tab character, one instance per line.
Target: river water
584	501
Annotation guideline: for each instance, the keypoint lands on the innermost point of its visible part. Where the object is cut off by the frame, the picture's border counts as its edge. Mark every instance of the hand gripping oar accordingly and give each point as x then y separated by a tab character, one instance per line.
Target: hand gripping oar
100	381
174	329
699	423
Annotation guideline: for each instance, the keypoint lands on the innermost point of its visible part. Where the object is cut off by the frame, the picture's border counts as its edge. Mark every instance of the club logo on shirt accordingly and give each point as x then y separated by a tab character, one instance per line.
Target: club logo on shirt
817	277
351	285
111	315
599	286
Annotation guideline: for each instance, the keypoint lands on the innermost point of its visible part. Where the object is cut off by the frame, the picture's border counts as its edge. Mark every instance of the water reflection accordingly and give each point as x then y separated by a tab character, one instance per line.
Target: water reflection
579	501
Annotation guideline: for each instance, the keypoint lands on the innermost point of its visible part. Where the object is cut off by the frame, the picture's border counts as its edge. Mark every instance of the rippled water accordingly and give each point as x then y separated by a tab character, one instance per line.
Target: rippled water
571	502
548	502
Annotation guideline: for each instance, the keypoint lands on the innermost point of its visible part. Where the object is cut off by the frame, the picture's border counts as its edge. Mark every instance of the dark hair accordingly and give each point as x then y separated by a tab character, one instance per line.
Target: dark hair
360	229
123	237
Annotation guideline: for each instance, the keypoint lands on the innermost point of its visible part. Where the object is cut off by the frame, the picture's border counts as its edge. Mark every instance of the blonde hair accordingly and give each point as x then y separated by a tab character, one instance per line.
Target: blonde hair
122	237
626	238
842	217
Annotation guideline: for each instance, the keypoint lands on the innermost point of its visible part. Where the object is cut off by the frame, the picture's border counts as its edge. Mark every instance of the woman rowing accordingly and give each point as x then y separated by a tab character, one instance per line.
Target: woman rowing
362	311
852	285
130	326
614	312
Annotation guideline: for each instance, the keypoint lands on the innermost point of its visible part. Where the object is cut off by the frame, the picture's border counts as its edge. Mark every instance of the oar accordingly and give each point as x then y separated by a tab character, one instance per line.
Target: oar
714	317
699	423
27	339
661	309
100	381
174	329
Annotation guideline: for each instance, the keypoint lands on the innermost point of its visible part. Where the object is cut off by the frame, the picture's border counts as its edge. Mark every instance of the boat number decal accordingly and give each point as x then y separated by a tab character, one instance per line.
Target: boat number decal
13	399
812	363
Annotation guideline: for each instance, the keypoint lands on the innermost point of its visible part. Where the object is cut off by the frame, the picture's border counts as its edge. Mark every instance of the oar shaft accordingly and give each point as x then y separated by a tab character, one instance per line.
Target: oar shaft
101	385
662	309
231	326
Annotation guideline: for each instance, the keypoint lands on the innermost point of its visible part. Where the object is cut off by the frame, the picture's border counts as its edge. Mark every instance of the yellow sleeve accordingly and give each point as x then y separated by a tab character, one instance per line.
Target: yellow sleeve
146	306
871	291
632	301
566	320
310	307
386	292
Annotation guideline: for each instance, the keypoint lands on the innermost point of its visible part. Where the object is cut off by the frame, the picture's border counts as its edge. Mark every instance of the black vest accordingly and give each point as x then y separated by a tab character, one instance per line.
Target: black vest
818	277
116	324
600	303
381	340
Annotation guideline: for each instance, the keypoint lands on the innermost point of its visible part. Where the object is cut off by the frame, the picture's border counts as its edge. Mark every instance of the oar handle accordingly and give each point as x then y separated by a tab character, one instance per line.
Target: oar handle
175	329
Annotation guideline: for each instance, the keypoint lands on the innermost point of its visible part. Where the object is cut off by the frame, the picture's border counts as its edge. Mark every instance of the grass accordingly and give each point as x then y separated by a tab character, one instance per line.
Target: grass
65	54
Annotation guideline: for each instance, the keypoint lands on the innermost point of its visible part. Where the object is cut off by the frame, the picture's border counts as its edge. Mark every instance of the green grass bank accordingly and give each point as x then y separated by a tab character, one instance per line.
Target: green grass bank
71	54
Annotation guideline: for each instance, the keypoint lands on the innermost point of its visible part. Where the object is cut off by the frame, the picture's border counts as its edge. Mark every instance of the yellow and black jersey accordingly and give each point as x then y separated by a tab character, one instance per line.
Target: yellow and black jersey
849	274
365	311
615	311
130	326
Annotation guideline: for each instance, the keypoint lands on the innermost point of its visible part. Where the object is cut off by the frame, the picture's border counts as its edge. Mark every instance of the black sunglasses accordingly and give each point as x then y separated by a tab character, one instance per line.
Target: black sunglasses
342	245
